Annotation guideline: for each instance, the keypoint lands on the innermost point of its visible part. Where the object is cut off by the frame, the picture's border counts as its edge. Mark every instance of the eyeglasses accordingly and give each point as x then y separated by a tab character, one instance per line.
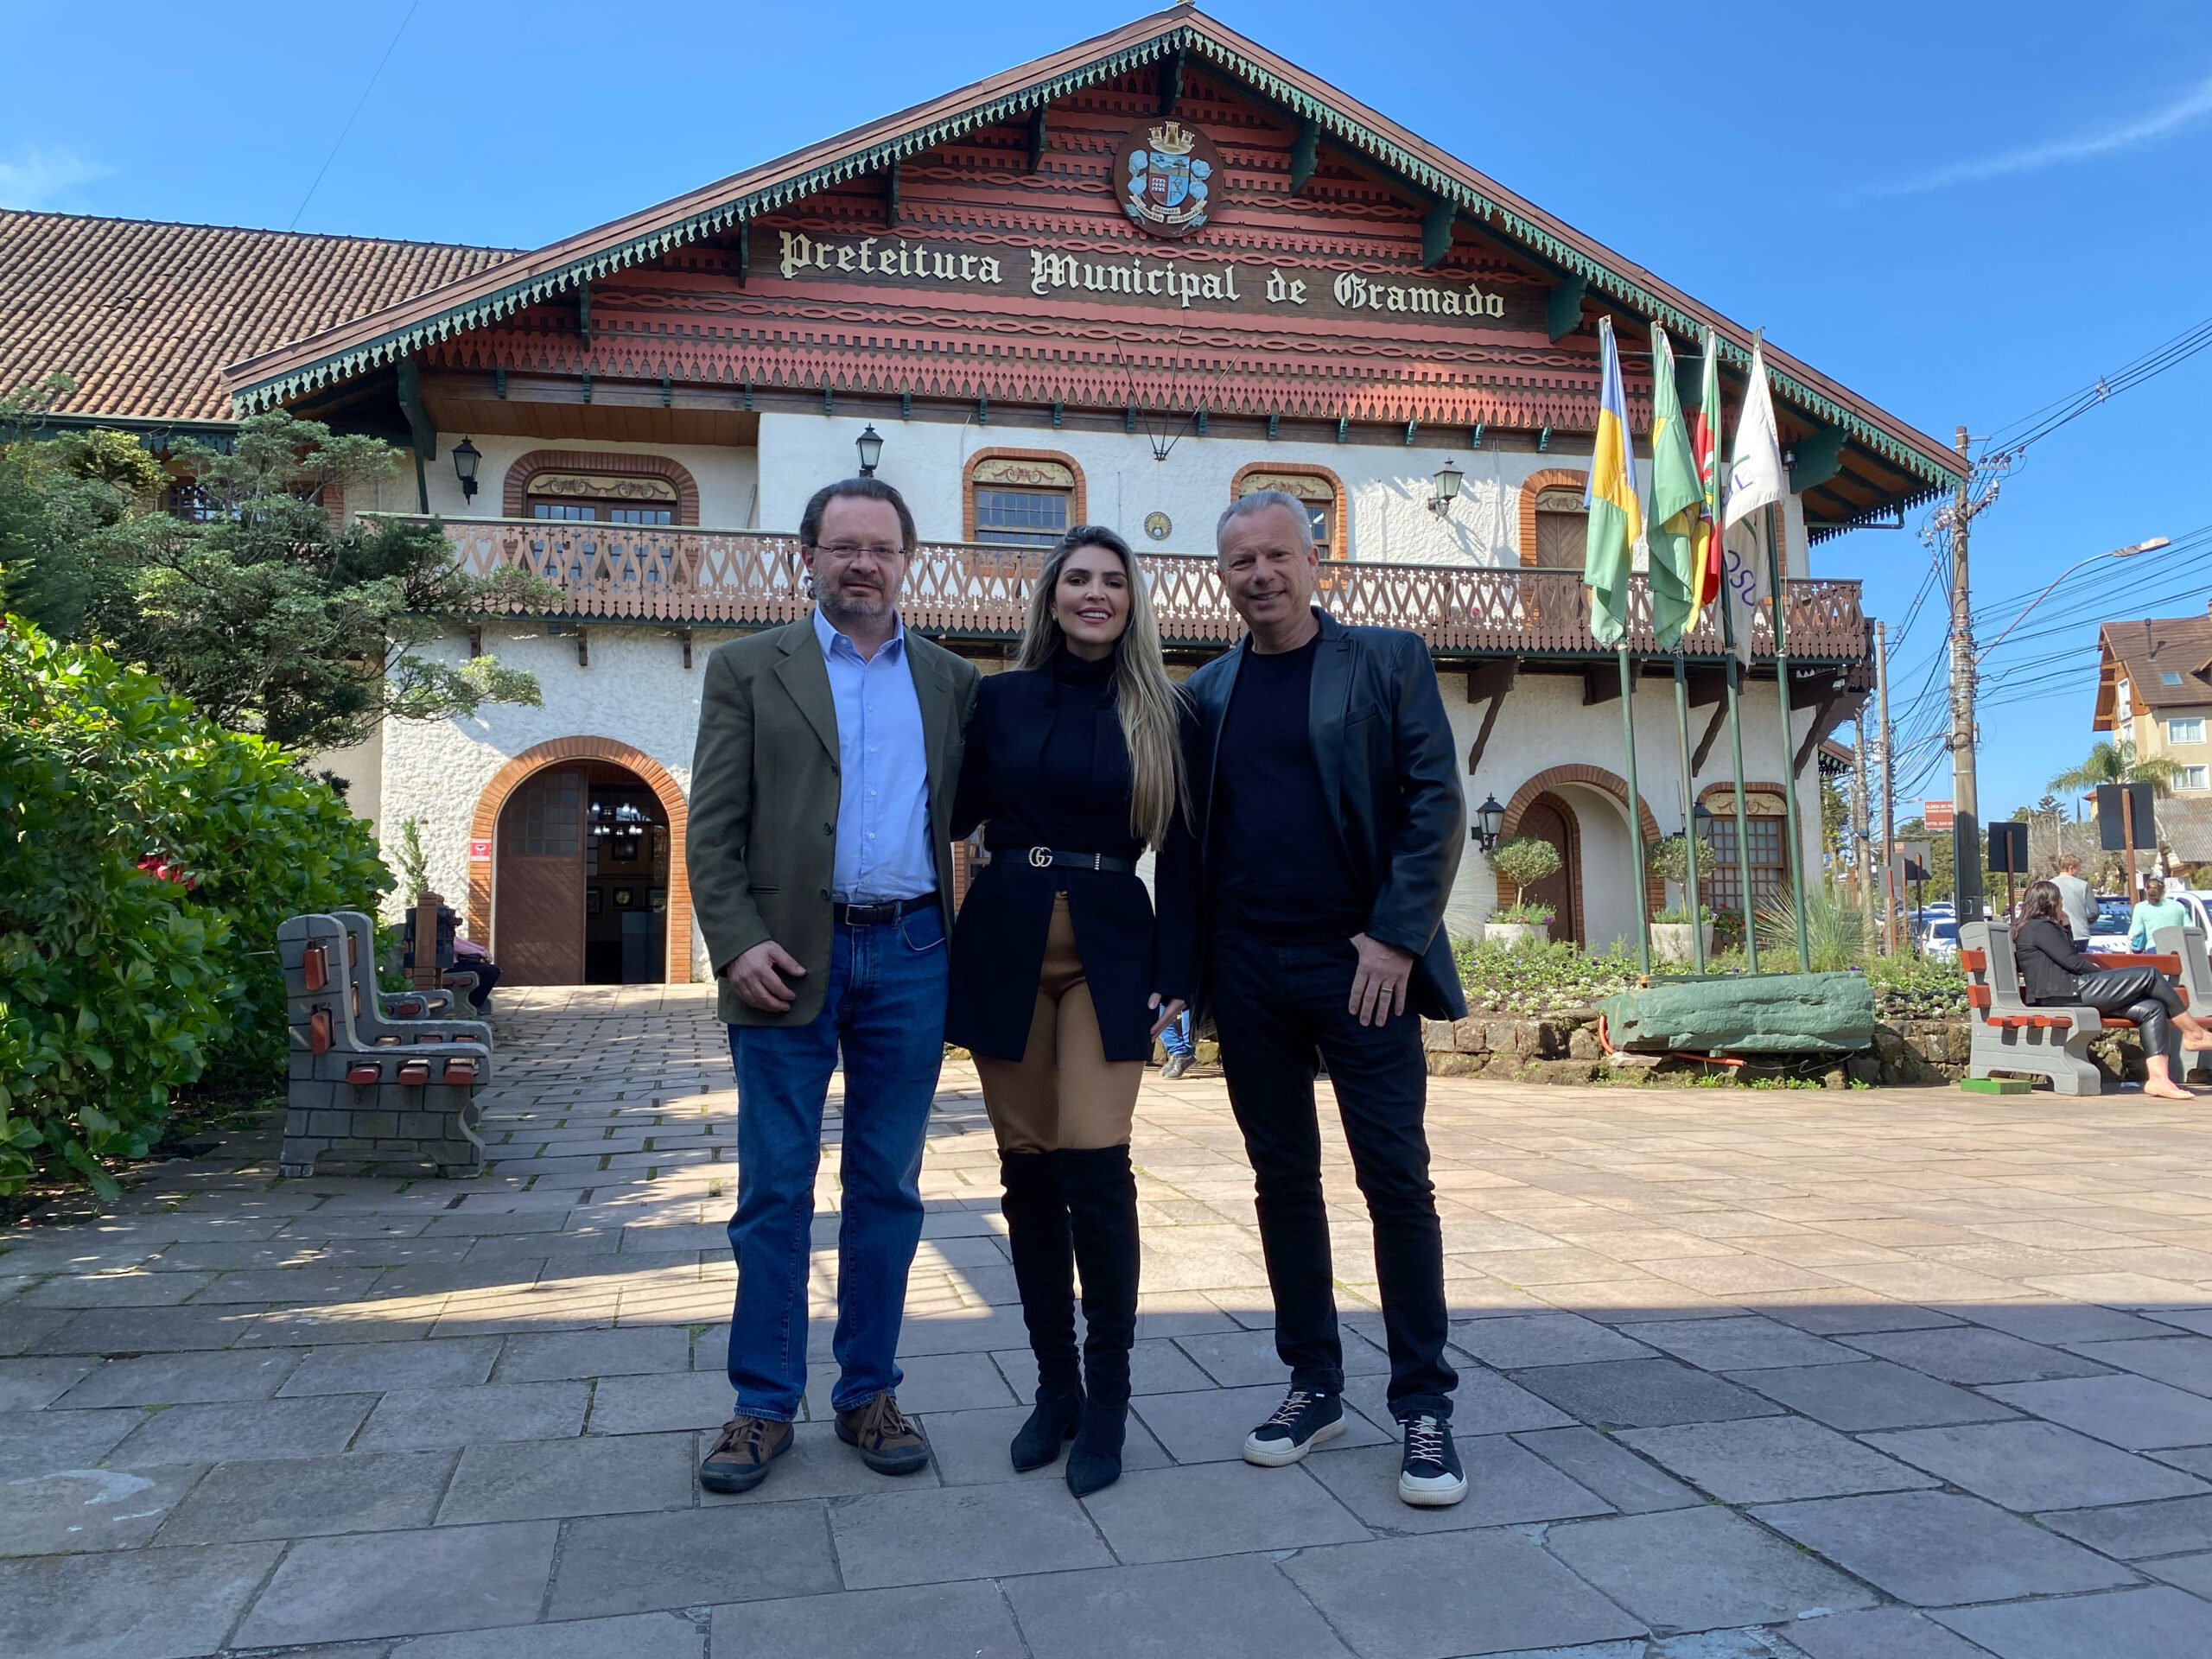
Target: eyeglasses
839	550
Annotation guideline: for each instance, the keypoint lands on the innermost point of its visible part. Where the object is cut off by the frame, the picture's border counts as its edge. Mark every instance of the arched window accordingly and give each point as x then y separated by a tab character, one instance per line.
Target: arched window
1553	527
1317	490
1763	824
1022	498
600	498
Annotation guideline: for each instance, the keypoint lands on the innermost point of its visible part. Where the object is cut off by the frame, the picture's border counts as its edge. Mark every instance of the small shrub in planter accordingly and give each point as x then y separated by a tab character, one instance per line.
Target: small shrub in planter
1525	861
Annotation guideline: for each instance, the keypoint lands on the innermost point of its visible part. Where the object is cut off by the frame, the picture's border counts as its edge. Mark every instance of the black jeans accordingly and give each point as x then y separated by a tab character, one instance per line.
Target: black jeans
1276	1007
2143	994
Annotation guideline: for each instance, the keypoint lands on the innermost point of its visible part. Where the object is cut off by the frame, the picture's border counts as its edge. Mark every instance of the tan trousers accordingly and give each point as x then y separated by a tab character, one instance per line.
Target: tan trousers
1063	1091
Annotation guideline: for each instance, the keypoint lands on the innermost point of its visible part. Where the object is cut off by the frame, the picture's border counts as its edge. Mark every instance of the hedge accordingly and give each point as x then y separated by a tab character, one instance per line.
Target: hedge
146	858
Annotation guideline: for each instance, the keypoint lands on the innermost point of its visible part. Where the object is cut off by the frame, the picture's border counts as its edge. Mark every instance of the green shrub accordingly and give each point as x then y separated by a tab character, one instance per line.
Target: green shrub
1525	860
149	857
1533	980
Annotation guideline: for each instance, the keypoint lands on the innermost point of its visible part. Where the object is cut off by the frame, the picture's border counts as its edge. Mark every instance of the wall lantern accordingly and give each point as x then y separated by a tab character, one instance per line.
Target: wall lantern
1447	483
1701	823
870	445
465	457
1490	821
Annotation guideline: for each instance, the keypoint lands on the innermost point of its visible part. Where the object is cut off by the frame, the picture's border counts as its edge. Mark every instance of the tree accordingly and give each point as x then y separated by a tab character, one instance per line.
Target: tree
267	613
1525	860
2116	762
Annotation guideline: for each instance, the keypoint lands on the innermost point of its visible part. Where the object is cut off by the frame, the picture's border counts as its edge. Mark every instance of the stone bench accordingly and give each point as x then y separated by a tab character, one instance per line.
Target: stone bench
364	1085
2010	1034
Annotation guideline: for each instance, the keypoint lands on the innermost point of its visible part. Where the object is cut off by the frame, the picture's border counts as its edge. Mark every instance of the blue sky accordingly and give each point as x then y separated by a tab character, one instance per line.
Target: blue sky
1961	212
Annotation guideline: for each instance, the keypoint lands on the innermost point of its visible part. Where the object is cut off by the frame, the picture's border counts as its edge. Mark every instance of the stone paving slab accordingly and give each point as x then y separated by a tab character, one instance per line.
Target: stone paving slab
1882	1375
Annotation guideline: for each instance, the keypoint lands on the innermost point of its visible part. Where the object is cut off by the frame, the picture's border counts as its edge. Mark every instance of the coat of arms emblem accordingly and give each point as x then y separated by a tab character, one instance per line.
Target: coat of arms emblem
1168	173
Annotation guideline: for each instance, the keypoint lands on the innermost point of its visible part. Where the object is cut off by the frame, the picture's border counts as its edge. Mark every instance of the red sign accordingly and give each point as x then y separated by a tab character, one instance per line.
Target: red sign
480	851
1936	815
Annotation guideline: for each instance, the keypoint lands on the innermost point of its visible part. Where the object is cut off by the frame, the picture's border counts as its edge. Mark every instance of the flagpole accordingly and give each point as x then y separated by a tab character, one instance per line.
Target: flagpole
1689	808
1789	753
1736	749
1634	822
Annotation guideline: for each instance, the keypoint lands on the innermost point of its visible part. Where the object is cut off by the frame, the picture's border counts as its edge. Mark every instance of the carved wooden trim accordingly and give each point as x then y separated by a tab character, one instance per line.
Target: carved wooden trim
509	777
1078	508
1552	478
513	504
1303	469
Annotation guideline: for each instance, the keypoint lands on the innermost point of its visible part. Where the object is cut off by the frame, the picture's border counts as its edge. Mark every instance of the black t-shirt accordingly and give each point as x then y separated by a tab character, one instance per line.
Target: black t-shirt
1277	866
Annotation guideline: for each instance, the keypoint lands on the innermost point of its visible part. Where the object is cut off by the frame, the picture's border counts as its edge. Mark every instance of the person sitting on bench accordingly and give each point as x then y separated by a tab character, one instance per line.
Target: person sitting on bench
2054	974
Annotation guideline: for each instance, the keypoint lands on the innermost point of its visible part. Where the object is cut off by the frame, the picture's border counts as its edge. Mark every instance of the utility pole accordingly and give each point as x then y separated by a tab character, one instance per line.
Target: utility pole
1862	814
1888	789
1965	817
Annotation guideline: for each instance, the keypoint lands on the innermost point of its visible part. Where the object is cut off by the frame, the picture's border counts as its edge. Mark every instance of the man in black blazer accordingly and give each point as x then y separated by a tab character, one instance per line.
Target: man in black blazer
1333	819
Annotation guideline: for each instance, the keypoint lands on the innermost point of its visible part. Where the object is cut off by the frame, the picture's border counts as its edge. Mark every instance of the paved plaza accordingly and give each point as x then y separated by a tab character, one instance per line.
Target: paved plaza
1875	1374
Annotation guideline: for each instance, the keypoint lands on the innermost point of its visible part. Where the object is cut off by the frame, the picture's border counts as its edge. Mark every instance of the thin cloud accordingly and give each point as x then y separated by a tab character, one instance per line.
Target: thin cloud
36	178
2190	108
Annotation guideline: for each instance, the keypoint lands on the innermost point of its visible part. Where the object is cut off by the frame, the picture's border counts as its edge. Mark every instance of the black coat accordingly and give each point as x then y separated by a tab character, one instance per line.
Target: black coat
1390	773
998	942
2051	968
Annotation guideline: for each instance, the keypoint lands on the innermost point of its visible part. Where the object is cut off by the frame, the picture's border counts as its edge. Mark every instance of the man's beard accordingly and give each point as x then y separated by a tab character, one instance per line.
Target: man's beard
847	604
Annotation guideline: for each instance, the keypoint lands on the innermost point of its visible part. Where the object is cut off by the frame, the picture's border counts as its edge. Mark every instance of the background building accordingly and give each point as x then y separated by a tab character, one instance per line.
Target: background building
1121	284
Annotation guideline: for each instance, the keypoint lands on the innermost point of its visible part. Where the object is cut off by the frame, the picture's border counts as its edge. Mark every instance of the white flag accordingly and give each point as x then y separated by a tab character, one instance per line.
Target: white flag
1755	482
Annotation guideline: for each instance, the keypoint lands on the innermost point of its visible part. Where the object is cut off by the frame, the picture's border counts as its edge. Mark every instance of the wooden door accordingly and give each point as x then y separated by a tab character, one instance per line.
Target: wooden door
1549	818
538	895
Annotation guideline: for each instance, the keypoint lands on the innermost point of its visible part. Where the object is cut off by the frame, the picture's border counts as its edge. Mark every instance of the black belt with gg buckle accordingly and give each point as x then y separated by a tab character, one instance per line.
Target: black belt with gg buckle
1044	858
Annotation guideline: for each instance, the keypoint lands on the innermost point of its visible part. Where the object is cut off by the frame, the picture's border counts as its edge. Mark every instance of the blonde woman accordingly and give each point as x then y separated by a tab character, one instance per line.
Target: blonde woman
1061	978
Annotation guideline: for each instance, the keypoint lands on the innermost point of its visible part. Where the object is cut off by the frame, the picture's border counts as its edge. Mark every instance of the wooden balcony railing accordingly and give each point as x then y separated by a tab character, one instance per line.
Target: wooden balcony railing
683	576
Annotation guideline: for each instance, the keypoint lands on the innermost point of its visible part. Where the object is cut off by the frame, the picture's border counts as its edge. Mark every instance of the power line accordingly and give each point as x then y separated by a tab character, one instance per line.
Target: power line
358	105
2011	441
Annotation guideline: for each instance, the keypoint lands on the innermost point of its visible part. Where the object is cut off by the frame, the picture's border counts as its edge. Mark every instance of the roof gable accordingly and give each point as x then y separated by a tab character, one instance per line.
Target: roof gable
1165	40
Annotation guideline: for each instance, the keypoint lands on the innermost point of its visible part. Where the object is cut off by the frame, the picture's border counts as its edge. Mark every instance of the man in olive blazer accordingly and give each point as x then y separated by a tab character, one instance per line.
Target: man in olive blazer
819	854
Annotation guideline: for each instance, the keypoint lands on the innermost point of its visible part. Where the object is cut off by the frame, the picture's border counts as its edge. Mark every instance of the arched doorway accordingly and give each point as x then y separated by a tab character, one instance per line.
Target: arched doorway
580	896
578	874
1549	818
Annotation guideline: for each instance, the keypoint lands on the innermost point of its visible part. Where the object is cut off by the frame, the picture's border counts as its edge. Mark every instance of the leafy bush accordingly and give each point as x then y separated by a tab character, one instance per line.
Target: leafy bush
149	855
1523	915
1529	981
1917	987
1669	858
1525	860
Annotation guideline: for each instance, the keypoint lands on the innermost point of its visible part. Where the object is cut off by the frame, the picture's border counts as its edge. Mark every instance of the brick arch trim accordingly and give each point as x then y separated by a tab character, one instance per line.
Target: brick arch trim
1303	469
537	758
1078	509
525	468
1552	478
1654	890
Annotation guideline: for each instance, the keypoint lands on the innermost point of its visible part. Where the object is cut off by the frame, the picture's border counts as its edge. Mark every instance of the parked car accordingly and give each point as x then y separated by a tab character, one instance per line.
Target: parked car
1940	938
2108	927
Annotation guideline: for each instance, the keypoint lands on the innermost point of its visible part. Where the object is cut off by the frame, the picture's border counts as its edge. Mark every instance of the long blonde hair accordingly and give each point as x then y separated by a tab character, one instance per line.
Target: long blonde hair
1150	704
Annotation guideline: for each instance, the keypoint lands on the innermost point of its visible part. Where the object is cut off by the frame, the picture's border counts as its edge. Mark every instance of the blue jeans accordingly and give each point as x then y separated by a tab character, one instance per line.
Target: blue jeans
885	1009
1175	1036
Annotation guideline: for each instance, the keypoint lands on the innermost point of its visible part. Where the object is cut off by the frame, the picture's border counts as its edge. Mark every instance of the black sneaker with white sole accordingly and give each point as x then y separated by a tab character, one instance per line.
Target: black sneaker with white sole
1301	1423
1430	1476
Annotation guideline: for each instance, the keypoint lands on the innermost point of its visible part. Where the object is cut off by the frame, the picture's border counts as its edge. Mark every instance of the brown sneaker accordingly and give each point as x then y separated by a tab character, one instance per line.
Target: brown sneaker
742	1453
888	1443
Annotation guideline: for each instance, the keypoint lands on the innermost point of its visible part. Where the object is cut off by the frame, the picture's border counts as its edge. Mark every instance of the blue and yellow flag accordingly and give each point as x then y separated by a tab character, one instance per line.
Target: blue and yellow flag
1615	525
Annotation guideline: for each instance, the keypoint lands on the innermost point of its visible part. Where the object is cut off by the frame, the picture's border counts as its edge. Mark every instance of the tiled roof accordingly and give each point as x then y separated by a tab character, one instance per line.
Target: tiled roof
2145	651
2186	828
143	315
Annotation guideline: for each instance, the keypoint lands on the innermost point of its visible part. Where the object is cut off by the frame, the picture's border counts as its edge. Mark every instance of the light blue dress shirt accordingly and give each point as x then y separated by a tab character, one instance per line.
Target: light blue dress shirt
883	802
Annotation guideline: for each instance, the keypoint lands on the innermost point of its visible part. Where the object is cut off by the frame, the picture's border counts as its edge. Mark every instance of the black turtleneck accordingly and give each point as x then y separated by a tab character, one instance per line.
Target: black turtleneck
1081	692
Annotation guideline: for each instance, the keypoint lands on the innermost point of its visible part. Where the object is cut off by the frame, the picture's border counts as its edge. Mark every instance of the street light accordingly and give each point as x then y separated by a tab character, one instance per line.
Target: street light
2150	546
871	447
465	457
1446	485
1490	821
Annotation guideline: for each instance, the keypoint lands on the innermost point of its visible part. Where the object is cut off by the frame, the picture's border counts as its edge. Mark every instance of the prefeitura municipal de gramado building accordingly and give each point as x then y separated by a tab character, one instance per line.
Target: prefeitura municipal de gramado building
1121	284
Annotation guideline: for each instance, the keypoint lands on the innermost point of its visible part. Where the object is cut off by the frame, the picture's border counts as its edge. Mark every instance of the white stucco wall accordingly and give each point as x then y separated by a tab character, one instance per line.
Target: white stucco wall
725	476
1543	724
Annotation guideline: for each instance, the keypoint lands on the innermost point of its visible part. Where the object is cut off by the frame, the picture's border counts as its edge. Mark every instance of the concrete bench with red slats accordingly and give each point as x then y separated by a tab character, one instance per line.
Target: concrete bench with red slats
2010	1034
365	1087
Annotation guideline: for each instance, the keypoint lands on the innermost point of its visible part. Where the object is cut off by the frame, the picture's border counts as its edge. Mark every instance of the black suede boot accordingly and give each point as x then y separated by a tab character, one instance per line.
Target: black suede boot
1102	1201
1044	1271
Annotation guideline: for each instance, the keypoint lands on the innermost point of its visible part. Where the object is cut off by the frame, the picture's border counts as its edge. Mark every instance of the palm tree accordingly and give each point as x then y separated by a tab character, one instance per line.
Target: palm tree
2116	763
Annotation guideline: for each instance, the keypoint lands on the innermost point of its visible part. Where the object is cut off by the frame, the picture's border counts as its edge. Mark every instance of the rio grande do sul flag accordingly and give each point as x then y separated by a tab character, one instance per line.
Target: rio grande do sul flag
1616	524
1705	450
1677	504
